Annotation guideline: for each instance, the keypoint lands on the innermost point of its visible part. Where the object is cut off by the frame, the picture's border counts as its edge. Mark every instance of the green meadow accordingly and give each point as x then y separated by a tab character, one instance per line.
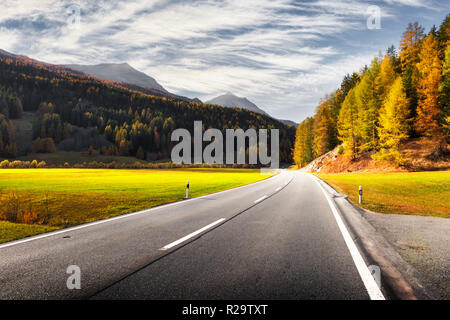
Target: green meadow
413	193
39	200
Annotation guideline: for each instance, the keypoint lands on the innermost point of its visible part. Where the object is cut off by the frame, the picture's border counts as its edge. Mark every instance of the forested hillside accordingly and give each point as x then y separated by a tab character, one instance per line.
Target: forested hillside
401	95
130	122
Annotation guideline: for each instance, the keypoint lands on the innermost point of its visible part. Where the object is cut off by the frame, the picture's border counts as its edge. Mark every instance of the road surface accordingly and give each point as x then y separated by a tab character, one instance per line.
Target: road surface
279	238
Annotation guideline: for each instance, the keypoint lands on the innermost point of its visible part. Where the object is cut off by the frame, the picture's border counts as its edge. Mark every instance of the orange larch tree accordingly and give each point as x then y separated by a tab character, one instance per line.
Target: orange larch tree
429	67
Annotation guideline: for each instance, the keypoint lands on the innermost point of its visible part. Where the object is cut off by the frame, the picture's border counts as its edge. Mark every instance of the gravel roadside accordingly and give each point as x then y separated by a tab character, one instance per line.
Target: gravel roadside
423	242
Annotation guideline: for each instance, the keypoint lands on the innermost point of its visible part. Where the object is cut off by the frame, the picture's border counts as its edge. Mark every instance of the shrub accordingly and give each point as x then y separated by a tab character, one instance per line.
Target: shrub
4	164
138	165
12	210
41	164
29	216
93	164
17	164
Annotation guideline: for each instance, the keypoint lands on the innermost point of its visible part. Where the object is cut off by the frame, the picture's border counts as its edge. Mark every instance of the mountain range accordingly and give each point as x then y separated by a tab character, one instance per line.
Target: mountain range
120	72
123	72
232	101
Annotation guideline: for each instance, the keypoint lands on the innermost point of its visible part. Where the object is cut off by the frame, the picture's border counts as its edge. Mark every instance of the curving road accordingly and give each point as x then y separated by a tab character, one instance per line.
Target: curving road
280	238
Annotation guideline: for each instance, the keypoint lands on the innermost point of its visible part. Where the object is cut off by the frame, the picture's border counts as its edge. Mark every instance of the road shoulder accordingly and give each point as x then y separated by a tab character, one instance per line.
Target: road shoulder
413	259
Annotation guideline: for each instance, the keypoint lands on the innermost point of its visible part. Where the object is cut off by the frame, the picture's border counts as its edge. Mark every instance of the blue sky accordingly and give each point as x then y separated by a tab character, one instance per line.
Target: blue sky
283	55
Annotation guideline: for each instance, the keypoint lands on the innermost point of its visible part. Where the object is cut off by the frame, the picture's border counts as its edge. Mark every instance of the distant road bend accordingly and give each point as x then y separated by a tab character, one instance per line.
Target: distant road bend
280	238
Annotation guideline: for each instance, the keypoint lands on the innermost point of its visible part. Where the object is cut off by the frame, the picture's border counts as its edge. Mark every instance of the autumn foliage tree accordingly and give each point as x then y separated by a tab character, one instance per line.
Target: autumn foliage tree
409	57
347	124
429	67
410	45
443	37
400	95
393	123
304	143
367	99
444	93
324	127
387	75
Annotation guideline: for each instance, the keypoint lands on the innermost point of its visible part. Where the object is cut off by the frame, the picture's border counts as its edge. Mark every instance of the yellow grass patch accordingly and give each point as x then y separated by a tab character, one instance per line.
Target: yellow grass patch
415	193
67	197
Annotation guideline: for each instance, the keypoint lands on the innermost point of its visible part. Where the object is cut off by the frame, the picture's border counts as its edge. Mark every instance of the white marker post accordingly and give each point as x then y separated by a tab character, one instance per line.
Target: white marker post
360	194
187	190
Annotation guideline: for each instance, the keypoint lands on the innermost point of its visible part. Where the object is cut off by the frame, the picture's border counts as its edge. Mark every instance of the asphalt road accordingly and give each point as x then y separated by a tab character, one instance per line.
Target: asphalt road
274	239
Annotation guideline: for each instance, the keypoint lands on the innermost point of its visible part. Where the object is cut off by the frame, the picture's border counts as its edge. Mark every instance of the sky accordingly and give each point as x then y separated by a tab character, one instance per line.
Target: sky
283	55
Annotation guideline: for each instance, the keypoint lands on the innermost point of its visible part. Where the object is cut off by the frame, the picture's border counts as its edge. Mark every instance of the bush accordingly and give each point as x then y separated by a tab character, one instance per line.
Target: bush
4	164
93	164
16	164
41	164
29	216
138	165
12	210
101	165
19	164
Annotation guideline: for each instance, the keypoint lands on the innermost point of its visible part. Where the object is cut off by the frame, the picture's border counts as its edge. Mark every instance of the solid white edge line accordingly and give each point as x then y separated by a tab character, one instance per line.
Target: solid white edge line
260	199
126	215
193	234
364	272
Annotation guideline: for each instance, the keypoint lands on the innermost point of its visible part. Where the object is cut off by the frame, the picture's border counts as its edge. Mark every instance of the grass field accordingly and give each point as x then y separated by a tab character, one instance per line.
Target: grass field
67	197
414	193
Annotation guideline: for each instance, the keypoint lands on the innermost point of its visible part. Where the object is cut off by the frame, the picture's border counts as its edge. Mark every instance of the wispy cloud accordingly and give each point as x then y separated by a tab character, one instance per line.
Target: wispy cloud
412	3
284	55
